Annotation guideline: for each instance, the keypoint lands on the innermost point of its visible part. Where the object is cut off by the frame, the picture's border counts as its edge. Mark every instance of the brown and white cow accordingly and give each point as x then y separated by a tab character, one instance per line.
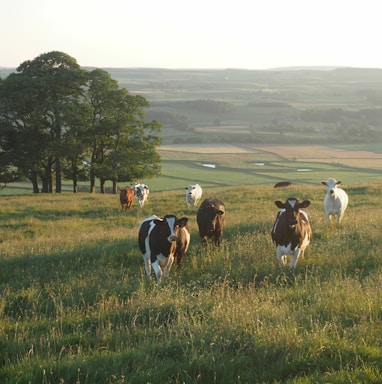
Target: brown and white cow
210	218
159	240
291	231
126	197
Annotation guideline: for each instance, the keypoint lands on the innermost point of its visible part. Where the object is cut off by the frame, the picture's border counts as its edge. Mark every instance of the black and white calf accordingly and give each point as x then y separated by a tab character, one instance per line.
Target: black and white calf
160	241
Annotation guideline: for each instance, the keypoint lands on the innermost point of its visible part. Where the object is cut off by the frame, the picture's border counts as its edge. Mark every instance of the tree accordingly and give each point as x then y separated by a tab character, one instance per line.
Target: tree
120	137
34	102
59	120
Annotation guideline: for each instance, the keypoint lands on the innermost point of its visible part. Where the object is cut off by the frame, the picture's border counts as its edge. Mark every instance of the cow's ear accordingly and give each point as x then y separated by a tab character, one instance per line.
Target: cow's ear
323	182
338	182
304	204
182	222
279	204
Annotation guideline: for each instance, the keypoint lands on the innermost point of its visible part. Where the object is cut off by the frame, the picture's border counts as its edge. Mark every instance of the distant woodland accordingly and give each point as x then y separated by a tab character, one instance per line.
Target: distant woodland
342	105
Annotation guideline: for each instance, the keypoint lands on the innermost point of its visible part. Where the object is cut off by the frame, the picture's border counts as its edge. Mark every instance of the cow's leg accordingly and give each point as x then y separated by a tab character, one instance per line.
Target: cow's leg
218	239
146	259
281	257
296	255
166	269
204	240
158	271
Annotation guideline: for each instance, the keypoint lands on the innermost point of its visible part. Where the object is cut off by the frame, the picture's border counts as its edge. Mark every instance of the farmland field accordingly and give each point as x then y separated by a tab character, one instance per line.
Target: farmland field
76	306
219	165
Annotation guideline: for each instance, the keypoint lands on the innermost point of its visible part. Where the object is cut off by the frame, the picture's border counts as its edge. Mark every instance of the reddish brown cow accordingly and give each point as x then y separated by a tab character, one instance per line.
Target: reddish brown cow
210	218
126	197
291	232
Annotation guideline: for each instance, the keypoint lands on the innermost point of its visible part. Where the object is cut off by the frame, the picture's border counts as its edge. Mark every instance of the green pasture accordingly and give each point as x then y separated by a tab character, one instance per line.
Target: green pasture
76	306
180	169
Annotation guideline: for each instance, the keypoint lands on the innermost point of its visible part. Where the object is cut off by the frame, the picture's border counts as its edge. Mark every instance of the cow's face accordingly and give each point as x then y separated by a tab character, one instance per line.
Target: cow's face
291	210
331	185
192	190
213	218
173	225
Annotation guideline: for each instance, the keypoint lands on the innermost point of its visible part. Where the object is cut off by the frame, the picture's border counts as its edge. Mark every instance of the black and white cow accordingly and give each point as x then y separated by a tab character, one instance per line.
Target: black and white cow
141	192
291	231
160	241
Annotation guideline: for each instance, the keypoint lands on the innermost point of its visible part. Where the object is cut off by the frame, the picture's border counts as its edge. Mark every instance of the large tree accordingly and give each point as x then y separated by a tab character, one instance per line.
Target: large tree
123	145
59	120
35	99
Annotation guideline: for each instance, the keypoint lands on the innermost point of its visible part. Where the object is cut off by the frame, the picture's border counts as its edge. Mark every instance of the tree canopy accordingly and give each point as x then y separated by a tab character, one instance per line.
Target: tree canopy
58	120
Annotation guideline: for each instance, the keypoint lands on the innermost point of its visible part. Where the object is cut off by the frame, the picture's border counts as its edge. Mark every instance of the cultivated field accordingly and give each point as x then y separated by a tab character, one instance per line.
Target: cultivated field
76	306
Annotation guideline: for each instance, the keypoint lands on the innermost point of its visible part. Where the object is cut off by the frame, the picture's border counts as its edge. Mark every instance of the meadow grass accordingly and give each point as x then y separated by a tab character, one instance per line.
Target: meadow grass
76	306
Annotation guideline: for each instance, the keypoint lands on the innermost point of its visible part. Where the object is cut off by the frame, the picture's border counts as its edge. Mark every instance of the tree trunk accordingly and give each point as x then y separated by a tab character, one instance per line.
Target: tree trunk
102	185
33	179
92	181
58	175
45	185
75	186
114	186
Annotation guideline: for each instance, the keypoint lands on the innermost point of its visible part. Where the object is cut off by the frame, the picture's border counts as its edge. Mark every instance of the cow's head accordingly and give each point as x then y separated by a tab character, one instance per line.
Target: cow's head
213	214
331	183
191	189
172	225
291	209
141	190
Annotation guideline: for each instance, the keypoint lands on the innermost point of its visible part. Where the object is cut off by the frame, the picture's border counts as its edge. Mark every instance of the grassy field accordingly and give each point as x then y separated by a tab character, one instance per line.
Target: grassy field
76	307
238	165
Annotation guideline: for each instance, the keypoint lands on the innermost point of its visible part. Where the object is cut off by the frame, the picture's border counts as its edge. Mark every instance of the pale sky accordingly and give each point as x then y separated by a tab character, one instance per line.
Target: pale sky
248	34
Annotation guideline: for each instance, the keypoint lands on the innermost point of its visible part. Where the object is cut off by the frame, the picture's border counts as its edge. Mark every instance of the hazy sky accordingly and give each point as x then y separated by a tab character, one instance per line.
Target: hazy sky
251	34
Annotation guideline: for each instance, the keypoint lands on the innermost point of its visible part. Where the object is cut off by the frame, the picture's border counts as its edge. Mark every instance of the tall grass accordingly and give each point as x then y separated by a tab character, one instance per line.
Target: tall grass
76	306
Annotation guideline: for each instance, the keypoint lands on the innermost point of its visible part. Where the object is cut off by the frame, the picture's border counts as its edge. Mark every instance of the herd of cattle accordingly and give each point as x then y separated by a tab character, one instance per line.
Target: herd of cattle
163	240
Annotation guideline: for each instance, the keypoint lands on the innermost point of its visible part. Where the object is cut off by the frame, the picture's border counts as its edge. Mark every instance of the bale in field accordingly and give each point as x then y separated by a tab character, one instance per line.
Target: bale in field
210	218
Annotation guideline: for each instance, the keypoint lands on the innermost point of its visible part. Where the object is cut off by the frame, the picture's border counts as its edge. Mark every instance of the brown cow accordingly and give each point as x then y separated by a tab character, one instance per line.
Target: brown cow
291	232
126	197
282	184
210	218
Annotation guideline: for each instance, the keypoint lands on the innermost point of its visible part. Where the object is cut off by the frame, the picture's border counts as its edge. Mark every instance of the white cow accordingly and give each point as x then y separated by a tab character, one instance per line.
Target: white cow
141	192
335	201
193	194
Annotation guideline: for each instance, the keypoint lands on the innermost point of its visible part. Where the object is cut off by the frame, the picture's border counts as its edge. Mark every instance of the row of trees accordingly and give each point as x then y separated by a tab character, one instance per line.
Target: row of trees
59	121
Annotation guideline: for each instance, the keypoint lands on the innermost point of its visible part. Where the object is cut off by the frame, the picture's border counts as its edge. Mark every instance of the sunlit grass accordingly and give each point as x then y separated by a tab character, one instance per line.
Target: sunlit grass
76	305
